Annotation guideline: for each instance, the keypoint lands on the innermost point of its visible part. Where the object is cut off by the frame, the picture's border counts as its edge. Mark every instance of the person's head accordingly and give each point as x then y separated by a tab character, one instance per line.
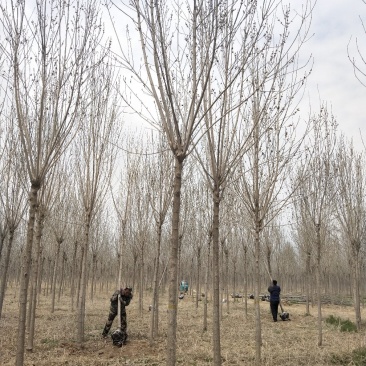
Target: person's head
274	282
126	292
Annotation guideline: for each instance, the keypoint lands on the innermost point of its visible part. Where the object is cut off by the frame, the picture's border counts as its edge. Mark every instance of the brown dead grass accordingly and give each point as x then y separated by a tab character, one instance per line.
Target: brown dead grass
284	343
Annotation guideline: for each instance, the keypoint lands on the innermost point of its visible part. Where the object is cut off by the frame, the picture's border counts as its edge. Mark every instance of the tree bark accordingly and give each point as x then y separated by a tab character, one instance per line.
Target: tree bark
83	282
216	341
36	264
4	278
173	266
25	274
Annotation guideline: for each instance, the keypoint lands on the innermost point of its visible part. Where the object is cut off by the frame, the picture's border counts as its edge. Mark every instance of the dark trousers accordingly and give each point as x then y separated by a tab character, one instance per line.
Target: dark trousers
274	309
112	314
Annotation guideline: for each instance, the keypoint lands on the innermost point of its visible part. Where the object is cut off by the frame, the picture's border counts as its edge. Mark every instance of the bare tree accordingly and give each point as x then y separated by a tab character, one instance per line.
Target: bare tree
317	185
13	199
95	154
160	177
48	53
275	83
177	68
351	212
304	238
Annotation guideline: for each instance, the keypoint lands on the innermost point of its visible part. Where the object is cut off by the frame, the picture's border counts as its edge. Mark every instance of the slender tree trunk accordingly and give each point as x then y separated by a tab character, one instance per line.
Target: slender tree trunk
3	232
80	273
64	259
227	279
83	283
154	324
318	286
4	278
94	270
258	327
120	255
40	274
173	266
246	281
33	301
356	286
54	275
141	286
206	283
25	274
73	274
216	278
308	279
198	276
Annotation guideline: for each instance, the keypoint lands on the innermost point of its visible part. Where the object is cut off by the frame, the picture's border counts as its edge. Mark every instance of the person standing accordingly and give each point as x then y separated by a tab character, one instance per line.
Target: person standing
125	296
274	298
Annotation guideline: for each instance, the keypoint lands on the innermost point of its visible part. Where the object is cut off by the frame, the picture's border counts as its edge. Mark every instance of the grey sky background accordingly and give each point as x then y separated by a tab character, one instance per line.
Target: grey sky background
335	25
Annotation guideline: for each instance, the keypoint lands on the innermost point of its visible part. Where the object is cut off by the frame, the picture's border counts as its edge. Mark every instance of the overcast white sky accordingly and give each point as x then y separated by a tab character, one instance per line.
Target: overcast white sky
336	23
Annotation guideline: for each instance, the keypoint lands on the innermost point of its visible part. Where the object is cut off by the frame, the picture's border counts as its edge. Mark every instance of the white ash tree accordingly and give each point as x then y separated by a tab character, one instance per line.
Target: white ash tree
351	212
47	50
160	178
46	196
303	237
13	198
275	82
316	190
175	69
95	149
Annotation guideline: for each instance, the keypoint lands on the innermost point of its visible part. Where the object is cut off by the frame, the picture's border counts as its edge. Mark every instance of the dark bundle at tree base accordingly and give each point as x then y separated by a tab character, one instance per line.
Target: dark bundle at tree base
118	337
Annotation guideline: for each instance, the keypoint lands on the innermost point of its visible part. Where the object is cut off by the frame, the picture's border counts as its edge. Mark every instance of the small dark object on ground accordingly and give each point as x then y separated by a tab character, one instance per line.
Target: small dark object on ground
181	296
285	316
118	337
236	296
251	296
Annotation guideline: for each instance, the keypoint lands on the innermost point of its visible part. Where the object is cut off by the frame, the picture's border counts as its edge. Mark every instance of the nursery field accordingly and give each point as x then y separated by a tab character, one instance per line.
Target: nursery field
284	343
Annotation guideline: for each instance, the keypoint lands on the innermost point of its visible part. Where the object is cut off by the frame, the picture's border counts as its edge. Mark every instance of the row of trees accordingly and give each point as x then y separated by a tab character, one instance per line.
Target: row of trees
227	163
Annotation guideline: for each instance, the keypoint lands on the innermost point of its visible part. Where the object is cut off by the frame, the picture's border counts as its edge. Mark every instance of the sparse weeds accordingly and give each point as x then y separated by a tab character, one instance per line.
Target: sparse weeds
343	325
356	358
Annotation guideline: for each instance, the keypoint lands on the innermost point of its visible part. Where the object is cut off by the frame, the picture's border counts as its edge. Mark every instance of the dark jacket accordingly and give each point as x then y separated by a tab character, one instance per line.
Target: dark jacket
274	291
125	301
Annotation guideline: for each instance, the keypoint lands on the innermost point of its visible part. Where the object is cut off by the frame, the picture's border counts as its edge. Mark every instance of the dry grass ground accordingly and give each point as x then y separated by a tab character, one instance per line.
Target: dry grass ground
284	343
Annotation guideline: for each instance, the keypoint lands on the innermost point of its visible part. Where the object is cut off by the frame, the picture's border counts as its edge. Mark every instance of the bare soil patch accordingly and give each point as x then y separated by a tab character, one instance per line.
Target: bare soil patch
284	343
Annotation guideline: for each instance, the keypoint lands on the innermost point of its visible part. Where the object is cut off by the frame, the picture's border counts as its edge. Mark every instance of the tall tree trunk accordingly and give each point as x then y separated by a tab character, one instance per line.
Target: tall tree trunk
216	278
33	301
25	274
246	281
40	274
4	278
154	324
73	274
94	271
173	266
60	287
3	233
198	276
206	283
54	275
141	285
356	286
258	327
308	279
83	282
318	286
226	250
